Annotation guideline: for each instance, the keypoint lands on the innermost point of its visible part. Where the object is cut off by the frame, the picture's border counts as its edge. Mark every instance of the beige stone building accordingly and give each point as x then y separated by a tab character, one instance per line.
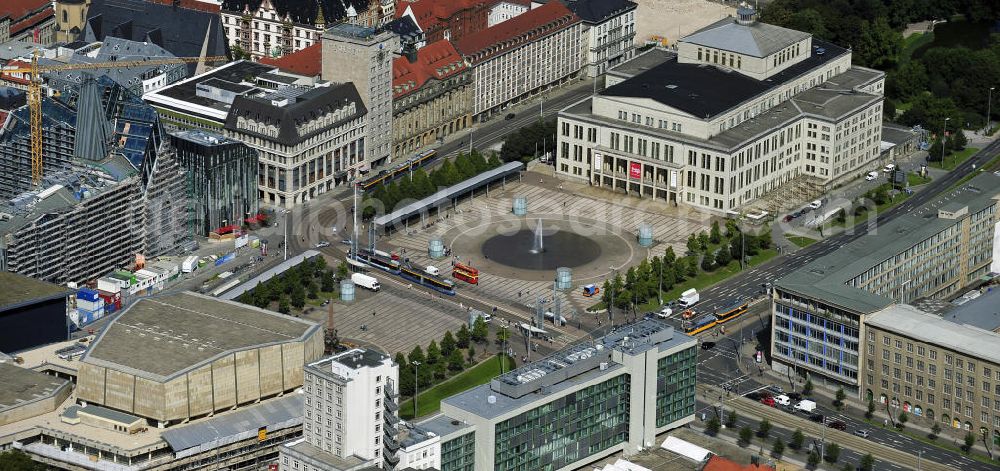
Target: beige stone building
935	370
71	17
184	356
363	56
740	112
432	96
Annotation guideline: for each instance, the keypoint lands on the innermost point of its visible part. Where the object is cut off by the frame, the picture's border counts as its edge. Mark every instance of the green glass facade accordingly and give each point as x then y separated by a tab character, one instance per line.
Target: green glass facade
676	376
459	454
565	430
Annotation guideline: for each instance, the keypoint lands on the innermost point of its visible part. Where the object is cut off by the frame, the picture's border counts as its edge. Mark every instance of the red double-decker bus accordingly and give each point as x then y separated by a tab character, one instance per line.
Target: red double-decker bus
465	273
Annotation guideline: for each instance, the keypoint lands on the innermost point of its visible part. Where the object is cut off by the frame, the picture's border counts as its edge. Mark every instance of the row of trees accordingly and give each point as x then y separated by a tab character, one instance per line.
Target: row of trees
831	451
421	184
644	282
440	360
291	288
529	141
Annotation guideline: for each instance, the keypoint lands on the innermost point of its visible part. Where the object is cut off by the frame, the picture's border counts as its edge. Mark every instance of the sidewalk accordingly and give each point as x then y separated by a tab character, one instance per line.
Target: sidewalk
697	427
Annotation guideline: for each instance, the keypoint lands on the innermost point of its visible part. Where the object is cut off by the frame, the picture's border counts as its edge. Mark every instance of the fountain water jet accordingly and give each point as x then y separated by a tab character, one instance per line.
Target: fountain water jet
537	245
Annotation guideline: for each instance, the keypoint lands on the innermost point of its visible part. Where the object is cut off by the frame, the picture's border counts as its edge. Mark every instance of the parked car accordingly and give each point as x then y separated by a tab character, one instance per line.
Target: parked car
889	168
782	400
818	418
665	313
794	396
862	433
768	401
789	217
871	176
707	345
509	116
754	395
837	424
322	244
815	204
775	389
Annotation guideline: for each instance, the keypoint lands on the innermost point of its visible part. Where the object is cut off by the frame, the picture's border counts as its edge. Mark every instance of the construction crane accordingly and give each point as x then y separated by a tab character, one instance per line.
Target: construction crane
35	91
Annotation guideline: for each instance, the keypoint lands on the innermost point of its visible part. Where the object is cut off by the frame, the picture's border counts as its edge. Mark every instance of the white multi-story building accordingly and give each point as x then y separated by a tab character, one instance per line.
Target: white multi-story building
741	109
609	32
265	32
523	56
507	9
350	414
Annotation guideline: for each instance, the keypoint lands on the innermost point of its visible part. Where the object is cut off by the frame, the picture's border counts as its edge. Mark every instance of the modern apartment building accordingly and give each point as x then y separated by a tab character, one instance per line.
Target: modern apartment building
363	57
350	421
583	403
271	28
432	96
309	135
741	111
934	369
221	179
609	30
820	311
523	56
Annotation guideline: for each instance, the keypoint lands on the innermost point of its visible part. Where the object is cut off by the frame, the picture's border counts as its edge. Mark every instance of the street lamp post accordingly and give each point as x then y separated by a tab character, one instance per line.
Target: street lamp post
944	131
989	103
416	382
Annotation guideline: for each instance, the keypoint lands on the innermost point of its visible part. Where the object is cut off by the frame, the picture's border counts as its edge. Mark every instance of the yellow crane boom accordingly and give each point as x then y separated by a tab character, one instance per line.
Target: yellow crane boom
35	91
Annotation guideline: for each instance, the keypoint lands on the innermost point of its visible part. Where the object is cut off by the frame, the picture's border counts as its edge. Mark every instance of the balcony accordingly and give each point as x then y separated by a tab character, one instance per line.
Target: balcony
390	458
390	441
391	420
391	406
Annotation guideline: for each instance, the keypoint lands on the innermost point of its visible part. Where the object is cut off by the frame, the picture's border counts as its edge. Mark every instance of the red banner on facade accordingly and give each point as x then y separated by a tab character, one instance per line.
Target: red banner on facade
635	170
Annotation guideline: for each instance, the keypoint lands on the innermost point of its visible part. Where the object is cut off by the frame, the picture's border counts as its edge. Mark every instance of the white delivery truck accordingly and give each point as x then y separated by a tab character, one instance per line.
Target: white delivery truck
806	405
190	264
365	281
689	298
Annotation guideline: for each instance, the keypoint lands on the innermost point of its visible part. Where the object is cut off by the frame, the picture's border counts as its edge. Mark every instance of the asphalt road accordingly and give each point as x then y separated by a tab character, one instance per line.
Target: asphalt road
748	283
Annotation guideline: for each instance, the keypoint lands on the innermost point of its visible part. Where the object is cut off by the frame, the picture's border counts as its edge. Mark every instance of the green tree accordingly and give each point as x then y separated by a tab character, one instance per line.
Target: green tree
455	360
313	290
732	228
416	355
867	463
502	335
763	239
17	460
879	44
447	344
693	245
778	449
839	398
713	426
832	452
283	306
847	467
731	419
668	256
692	268
707	262
764	429
298	296
807	388
328	285
422	184
715	236
901	421
433	353
400	360
479	330
970	440
958	140
797	439
935	431
342	271
813	460
723	257
494	160
746	435
462	338
703	240
471	356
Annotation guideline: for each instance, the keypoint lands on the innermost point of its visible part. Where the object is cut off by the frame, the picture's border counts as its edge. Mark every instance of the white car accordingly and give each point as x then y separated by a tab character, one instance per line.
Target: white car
815	204
889	168
782	400
322	244
664	313
871	176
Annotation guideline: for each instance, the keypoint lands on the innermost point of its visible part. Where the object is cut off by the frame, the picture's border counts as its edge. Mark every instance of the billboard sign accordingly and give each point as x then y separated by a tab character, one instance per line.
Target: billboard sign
635	170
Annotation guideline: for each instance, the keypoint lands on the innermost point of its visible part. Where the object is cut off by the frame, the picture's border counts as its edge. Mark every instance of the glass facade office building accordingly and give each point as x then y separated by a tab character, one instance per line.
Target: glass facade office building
459	454
676	376
221	179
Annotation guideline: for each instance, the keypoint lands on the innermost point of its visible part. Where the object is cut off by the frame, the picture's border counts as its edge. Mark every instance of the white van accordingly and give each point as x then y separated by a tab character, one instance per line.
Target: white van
782	400
433	270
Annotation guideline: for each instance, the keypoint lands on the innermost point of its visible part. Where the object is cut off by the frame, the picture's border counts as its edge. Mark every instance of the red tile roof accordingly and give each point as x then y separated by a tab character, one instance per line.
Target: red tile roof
18	9
431	12
526	27
305	61
191	5
437	60
718	463
37	18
